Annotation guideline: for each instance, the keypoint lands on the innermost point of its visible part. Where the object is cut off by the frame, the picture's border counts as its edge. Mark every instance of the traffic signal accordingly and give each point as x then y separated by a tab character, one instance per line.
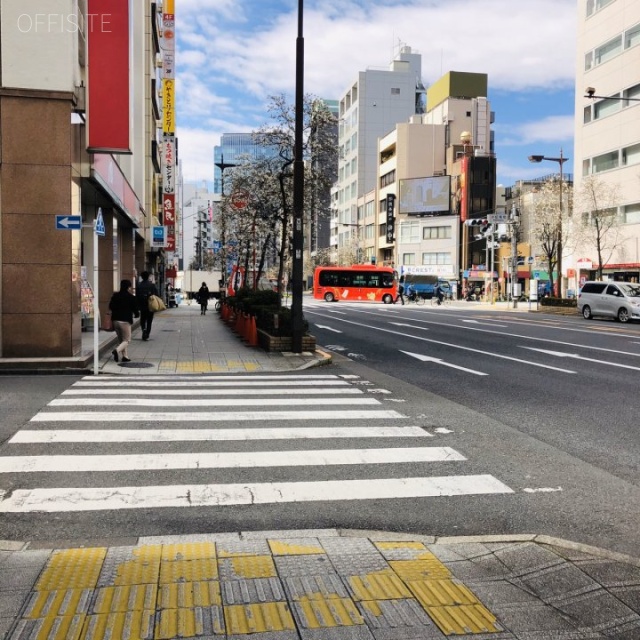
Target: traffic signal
477	222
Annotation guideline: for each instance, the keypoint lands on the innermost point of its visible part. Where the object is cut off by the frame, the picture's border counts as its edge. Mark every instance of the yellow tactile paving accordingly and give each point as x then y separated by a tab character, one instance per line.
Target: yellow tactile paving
131	625
280	548
425	569
324	613
378	586
188	551
434	593
164	591
258	618
185	595
463	619
58	603
72	569
137	571
202	569
59	628
125	598
248	567
400	545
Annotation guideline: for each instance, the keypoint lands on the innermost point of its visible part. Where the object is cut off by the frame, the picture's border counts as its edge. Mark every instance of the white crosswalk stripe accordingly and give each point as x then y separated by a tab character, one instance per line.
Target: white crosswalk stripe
148	402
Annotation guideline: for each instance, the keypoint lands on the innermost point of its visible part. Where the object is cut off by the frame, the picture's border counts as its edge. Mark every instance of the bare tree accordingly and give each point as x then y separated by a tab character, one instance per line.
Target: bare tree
599	224
549	225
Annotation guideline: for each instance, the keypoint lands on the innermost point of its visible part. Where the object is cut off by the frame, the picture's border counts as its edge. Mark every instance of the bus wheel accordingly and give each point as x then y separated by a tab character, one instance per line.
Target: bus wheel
329	297
387	299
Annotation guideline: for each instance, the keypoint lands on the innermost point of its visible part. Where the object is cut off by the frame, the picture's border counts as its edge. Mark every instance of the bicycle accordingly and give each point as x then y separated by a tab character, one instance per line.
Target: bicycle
446	301
416	298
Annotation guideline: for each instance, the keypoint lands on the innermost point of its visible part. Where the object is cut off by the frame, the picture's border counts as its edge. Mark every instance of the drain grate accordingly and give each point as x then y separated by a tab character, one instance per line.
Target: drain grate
136	365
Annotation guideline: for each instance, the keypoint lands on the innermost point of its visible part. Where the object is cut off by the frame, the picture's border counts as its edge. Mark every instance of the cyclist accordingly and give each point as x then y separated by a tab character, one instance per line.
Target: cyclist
438	293
411	293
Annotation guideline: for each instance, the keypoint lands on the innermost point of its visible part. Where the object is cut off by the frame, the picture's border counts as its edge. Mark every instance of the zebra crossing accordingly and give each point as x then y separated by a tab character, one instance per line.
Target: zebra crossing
75	437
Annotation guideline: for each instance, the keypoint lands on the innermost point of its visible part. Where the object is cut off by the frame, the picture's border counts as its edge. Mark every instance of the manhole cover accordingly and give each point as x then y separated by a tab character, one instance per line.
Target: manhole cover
136	365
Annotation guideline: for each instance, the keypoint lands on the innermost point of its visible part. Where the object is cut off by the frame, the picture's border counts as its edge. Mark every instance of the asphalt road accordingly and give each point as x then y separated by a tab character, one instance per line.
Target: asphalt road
488	433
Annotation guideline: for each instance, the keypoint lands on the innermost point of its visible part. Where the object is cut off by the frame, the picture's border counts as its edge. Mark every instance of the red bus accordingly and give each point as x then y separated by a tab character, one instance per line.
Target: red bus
361	282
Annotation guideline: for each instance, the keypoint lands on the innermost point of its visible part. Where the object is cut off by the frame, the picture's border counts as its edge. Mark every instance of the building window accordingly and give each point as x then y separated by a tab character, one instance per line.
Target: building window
395	91
586	167
369	232
632	37
387	179
596	5
631	213
587	115
441	258
408	258
605	162
608	50
605	107
631	92
409	232
382	205
588	60
631	155
436	233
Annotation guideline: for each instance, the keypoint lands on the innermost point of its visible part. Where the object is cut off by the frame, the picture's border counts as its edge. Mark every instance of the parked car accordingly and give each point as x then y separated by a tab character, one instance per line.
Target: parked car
620	300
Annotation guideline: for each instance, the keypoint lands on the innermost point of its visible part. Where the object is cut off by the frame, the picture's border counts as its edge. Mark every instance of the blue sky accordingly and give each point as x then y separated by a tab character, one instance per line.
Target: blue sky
233	54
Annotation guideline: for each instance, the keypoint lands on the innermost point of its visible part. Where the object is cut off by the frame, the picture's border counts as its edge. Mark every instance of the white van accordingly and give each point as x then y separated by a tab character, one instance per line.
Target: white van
620	300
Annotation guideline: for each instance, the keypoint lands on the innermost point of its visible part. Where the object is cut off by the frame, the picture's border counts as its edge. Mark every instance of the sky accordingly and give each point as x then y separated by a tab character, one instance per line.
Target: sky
233	54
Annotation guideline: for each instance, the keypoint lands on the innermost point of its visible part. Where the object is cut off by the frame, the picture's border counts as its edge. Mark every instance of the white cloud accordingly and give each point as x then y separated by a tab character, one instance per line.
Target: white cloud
549	129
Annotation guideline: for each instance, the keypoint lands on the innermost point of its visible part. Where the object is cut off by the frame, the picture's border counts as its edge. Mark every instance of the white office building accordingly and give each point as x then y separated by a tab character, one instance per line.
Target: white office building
372	105
607	128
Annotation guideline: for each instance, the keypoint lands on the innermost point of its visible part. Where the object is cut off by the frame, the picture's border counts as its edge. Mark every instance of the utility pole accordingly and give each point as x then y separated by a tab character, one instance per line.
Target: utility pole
514	255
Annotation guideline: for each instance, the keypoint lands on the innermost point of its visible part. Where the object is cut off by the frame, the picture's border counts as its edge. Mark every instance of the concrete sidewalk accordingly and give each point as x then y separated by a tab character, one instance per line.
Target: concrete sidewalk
181	341
318	585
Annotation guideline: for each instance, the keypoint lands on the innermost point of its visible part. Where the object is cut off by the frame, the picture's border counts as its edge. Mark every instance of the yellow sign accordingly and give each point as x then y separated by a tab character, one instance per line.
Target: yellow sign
168	106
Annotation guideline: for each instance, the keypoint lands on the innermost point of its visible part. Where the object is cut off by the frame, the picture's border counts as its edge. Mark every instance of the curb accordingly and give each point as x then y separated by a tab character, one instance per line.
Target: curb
13	545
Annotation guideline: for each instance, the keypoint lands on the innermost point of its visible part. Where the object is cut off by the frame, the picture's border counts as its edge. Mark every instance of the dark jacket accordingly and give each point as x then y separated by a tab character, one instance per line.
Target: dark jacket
124	307
145	289
203	294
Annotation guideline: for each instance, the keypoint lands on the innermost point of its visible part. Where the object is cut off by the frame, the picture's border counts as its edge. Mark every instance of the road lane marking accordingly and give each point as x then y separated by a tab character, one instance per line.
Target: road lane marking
412	326
227	460
207	416
490	324
561	354
197	383
324	326
424	358
314	391
193	435
517	335
211	495
201	377
457	346
208	402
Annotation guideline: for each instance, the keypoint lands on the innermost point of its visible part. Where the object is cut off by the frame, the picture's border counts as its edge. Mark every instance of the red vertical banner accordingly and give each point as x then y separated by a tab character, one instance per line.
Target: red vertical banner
464	188
108	91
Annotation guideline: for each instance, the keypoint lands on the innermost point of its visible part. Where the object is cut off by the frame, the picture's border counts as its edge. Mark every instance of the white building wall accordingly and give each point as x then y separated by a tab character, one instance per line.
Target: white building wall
609	74
369	109
39	44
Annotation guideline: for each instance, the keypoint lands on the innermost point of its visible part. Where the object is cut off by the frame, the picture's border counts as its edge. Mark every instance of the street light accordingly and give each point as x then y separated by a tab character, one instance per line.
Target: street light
222	165
561	160
591	93
297	321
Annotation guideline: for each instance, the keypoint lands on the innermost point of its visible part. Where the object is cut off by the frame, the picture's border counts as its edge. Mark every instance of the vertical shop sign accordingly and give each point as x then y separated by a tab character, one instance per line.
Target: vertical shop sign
108	92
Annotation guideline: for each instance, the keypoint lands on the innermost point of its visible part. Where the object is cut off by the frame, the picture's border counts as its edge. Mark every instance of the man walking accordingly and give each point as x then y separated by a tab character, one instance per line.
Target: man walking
145	289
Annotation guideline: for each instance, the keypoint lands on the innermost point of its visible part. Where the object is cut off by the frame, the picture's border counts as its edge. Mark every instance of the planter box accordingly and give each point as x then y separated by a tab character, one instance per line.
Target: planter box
283	343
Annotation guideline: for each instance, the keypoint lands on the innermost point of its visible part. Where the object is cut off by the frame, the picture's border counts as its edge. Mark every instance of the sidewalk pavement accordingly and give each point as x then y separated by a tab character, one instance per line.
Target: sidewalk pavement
309	584
181	341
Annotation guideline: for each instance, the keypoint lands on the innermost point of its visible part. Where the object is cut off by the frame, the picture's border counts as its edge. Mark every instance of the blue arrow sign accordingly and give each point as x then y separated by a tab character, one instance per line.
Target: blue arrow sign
68	222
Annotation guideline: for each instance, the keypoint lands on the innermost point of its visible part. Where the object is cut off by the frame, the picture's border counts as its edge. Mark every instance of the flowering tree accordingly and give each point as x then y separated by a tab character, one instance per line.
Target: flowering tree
599	224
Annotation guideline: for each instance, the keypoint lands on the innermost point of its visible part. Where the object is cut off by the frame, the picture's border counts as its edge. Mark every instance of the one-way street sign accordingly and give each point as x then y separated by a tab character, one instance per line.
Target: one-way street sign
68	222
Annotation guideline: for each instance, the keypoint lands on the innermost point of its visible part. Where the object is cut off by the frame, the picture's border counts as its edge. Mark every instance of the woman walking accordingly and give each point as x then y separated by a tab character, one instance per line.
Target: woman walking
124	307
203	298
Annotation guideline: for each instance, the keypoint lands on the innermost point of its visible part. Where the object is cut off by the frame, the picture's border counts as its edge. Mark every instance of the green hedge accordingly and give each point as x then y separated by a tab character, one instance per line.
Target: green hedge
558	302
